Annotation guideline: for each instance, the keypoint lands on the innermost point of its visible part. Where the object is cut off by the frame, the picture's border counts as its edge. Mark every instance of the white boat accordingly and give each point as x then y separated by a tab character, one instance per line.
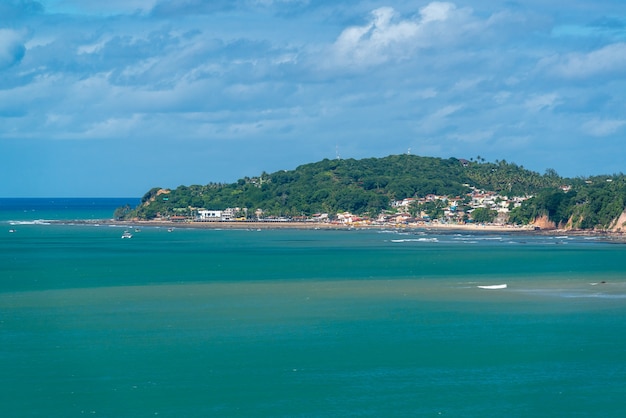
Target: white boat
493	287
127	234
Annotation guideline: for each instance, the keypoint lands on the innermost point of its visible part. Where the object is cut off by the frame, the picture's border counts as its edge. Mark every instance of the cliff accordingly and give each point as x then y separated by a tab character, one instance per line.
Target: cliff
544	222
620	223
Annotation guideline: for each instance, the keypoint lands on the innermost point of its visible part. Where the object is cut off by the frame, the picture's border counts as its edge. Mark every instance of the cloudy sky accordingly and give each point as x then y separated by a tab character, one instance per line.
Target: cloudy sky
111	98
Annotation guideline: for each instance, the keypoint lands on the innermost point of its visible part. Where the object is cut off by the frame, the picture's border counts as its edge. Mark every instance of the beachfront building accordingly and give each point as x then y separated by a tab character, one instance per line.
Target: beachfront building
228	214
225	215
209	215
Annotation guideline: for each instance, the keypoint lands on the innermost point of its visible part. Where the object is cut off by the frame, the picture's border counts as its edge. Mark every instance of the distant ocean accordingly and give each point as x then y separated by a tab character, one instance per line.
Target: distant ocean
292	323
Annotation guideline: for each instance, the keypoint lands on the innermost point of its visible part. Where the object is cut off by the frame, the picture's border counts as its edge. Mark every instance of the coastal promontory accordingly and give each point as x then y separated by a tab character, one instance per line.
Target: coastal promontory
399	188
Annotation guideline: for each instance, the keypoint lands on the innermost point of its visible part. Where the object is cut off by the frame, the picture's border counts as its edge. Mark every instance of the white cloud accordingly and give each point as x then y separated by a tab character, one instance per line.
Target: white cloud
93	47
537	103
501	97
428	93
11	47
436	11
437	120
603	127
475	137
609	59
374	42
467	84
111	7
269	3
387	36
446	111
121	127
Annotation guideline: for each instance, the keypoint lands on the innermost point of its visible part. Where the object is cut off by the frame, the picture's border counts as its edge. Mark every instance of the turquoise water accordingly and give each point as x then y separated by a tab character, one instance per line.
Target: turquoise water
305	323
41	209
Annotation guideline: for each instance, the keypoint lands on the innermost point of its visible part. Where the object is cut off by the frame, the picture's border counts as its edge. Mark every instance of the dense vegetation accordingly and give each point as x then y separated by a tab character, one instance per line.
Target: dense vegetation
367	187
593	203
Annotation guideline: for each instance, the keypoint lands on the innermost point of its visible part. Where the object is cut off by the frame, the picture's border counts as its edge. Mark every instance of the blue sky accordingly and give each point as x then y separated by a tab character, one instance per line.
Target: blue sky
111	98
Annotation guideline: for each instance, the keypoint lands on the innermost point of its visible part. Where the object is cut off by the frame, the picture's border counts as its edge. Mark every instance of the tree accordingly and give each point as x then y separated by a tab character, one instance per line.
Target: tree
121	212
551	174
434	209
483	215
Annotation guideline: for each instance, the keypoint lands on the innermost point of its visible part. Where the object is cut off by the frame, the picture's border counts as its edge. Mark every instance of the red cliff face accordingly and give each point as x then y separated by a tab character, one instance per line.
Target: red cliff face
544	222
620	223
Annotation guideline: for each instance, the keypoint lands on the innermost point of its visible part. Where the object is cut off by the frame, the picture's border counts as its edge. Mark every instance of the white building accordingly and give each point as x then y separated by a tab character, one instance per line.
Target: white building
228	214
210	215
217	215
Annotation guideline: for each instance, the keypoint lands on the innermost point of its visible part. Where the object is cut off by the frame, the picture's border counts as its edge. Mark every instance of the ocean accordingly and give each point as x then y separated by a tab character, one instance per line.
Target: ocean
303	323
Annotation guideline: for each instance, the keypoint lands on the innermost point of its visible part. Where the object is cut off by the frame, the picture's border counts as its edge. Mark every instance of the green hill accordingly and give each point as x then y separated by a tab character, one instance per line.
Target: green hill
368	186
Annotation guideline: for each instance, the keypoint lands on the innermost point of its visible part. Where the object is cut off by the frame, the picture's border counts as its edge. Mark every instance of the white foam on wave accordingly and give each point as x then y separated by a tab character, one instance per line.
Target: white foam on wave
595	295
575	293
475	238
35	222
493	286
416	240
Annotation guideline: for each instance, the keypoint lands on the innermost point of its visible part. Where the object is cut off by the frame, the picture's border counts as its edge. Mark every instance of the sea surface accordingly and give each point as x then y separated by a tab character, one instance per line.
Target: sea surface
292	323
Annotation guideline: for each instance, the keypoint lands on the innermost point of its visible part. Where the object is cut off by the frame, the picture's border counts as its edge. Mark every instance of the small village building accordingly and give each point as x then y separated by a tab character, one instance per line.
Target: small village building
209	215
228	214
216	215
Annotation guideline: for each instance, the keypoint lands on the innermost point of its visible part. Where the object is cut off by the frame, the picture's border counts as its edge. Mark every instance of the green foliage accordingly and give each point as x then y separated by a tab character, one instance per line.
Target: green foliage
484	215
599	202
509	179
121	212
592	203
151	194
555	204
434	209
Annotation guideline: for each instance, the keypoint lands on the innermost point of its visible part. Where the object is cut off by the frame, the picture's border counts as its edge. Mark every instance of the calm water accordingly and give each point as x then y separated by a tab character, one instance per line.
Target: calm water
303	323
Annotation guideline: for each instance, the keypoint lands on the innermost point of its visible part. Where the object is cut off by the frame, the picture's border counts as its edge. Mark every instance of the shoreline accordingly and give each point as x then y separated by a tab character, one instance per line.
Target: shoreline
613	236
303	225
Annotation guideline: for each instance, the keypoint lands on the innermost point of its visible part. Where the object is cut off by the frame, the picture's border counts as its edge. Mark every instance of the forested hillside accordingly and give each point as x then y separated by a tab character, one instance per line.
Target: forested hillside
368	186
364	186
592	203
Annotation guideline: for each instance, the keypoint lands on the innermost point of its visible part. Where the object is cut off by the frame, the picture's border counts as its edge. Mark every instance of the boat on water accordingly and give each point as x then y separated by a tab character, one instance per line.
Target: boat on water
493	287
127	234
11	230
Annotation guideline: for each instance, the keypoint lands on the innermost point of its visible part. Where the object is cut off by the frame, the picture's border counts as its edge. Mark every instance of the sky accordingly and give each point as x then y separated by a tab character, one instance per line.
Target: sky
111	98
